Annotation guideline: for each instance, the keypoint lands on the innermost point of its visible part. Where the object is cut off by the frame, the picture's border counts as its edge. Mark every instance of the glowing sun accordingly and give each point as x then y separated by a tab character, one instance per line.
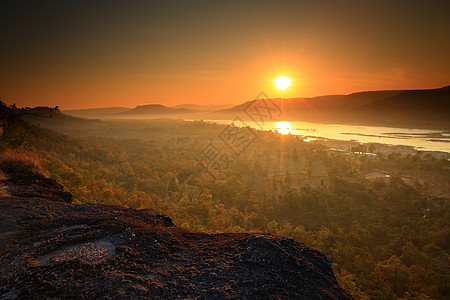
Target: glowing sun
283	83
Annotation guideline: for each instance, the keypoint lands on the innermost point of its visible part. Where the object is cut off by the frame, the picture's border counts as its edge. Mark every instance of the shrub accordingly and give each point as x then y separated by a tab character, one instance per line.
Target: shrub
20	164
3	192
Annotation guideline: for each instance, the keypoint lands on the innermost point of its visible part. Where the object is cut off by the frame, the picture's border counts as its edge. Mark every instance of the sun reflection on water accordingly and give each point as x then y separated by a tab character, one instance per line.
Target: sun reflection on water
283	127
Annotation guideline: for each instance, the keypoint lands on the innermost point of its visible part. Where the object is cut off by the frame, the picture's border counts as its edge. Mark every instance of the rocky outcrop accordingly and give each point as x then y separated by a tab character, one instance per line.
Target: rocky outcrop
50	248
36	187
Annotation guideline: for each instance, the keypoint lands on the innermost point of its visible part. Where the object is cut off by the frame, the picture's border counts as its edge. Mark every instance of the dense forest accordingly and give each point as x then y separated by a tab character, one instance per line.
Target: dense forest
382	219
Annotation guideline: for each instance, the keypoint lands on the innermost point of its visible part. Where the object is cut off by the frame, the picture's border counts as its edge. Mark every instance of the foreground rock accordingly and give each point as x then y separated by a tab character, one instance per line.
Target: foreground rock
54	249
36	187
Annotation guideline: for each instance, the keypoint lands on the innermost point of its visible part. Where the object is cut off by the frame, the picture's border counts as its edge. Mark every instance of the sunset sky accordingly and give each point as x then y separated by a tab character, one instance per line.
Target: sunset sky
85	54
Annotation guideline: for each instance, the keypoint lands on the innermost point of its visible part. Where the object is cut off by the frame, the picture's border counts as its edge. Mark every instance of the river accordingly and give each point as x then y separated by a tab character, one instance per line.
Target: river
420	139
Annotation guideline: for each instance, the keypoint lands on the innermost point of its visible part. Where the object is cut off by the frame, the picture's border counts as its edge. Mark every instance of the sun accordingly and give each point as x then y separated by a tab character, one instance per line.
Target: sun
282	82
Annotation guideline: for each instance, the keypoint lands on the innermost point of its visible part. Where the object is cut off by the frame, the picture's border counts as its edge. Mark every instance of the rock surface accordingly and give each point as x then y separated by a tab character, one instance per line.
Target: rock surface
36	186
50	248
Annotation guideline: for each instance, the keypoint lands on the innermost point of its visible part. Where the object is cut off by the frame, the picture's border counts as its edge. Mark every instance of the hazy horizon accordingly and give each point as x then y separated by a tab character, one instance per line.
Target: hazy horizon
218	104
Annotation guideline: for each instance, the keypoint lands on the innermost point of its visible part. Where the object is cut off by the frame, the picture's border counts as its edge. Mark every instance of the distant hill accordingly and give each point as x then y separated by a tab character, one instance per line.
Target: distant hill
430	100
61	122
425	107
403	108
43	114
144	110
428	108
154	110
203	108
95	112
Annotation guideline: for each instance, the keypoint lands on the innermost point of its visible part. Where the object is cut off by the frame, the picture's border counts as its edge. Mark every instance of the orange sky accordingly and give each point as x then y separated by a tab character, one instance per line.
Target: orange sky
119	53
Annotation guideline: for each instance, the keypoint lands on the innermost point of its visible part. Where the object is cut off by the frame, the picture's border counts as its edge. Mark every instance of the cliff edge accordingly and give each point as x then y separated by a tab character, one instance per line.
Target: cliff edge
51	248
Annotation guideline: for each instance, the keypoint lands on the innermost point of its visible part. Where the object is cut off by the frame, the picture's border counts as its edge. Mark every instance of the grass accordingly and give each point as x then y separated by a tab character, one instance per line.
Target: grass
20	164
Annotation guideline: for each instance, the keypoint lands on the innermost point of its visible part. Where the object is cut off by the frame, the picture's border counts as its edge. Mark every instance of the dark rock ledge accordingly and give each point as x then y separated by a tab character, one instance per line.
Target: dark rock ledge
52	249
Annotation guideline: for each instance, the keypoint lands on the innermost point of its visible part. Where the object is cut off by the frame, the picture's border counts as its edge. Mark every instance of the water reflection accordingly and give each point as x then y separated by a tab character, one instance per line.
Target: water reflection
423	139
283	127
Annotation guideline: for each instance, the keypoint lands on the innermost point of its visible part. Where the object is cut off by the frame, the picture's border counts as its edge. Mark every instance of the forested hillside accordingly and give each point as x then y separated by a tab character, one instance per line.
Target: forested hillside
387	234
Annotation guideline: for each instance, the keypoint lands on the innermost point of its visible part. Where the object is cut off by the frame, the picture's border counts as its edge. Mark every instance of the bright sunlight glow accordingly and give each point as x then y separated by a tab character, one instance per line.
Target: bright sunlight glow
283	127
282	82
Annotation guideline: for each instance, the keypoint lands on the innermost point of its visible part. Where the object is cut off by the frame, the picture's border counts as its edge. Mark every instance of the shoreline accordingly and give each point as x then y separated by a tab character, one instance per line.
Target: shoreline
428	137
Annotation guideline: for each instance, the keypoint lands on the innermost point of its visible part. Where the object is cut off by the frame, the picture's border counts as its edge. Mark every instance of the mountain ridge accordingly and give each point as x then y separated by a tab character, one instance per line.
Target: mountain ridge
427	108
154	109
416	108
